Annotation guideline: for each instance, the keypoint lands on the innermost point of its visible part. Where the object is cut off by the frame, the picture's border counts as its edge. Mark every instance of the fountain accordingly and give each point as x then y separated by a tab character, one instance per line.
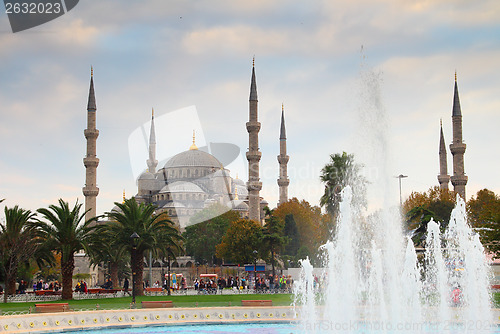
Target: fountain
384	287
373	280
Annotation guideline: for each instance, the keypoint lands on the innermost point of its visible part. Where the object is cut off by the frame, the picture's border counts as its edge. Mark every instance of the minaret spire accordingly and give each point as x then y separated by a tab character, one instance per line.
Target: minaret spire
253	155
457	147
90	190
283	158
152	162
443	176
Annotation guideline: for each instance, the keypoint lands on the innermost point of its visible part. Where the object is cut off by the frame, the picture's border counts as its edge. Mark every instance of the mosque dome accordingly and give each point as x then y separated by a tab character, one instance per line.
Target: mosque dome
193	158
181	187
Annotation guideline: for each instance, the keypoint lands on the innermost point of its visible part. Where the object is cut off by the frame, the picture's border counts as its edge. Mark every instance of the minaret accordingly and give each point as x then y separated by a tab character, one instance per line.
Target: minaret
443	176
253	155
283	181
457	148
90	191
152	162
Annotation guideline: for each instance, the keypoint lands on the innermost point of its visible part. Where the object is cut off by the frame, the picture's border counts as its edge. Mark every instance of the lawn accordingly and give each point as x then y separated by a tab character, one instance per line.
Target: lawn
179	301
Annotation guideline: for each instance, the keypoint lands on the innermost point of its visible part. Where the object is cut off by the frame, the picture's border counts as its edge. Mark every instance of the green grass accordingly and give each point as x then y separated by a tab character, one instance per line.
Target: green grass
496	299
179	301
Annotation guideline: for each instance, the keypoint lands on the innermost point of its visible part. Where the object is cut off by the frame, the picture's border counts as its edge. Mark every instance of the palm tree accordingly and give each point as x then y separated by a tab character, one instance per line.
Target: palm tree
338	173
156	233
103	248
66	232
18	243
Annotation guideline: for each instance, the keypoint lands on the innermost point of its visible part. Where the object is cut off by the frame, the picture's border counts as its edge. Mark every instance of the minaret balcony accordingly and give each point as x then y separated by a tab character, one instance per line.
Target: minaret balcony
254	185
283	159
91	133
90	162
443	178
283	182
253	127
459	180
457	148
254	155
90	191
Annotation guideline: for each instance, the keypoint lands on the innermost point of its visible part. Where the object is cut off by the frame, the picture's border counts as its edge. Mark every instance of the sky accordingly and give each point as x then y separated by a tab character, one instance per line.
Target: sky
369	77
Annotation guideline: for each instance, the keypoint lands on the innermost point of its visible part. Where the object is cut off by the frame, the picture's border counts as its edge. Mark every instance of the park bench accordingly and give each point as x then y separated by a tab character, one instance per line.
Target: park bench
256	303
49	308
157	304
103	291
48	293
153	290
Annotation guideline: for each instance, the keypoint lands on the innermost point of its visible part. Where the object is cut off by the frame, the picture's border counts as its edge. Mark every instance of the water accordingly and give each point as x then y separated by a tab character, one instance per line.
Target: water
372	272
284	328
269	328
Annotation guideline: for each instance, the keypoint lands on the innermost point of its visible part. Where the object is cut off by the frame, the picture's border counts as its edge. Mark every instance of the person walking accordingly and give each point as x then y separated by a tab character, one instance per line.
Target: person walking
125	287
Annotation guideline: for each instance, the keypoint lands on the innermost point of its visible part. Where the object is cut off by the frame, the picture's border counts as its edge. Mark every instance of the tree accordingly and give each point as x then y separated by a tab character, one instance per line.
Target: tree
420	208
272	237
423	216
313	227
65	231
19	240
202	238
483	208
484	214
156	233
241	239
104	249
291	233
340	172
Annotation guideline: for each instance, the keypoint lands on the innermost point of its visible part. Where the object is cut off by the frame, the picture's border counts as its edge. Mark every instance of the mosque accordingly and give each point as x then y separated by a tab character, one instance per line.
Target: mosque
194	179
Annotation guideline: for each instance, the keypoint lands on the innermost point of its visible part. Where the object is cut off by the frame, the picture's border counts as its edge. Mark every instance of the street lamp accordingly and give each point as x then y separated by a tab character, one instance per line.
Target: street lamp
135	239
400	176
255	268
168	271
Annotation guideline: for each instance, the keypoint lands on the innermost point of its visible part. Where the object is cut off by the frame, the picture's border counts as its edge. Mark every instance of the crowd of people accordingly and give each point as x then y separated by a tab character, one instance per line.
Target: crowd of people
205	285
263	284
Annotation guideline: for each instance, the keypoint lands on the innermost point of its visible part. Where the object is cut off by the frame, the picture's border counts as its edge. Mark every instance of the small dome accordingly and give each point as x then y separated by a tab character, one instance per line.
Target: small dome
242	190
237	205
146	176
239	182
193	158
181	187
116	209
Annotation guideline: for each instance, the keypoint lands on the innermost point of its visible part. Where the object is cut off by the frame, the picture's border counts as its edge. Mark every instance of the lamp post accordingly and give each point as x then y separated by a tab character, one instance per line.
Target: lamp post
168	271
135	239
400	176
255	268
